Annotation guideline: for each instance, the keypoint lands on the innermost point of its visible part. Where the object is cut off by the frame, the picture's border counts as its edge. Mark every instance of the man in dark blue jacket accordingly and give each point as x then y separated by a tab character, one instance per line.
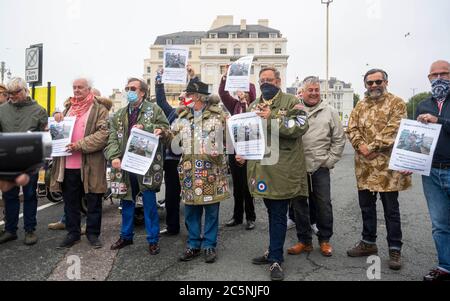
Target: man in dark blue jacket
436	109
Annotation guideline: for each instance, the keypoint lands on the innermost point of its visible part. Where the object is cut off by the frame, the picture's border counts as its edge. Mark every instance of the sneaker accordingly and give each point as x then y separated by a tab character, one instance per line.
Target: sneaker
6	236
395	260
315	229
437	275
190	254
210	255
30	238
232	222
363	249
290	224
250	225
57	226
299	248
68	242
94	241
262	259
276	272
154	249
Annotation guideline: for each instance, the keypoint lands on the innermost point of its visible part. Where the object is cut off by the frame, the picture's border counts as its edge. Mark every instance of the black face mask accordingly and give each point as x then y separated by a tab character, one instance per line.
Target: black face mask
269	91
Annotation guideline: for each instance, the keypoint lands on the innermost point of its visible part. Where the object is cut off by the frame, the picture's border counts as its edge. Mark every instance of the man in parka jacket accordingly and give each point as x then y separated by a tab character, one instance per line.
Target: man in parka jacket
146	116
284	180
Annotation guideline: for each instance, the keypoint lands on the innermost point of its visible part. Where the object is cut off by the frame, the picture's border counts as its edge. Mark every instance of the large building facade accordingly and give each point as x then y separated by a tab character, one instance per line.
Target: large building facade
211	51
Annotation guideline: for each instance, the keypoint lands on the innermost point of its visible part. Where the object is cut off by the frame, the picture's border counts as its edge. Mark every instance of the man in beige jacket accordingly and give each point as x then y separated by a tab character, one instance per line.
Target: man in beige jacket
324	144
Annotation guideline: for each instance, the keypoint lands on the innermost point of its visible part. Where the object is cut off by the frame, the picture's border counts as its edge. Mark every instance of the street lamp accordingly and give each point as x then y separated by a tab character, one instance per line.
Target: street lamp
413	102
4	70
327	2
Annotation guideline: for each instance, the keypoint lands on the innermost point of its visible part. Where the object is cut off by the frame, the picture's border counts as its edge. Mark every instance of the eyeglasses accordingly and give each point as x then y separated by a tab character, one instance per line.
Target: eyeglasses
371	82
266	80
439	75
14	92
134	89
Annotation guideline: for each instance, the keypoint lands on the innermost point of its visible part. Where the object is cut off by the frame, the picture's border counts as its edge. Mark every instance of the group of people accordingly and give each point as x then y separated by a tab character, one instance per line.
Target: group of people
190	158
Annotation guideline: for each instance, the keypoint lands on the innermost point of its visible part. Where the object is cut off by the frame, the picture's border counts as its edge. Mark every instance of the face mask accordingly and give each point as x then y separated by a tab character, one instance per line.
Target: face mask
440	88
132	97
269	91
189	103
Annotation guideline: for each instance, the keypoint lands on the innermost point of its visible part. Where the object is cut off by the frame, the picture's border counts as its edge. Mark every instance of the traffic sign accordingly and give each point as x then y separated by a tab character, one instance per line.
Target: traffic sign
33	64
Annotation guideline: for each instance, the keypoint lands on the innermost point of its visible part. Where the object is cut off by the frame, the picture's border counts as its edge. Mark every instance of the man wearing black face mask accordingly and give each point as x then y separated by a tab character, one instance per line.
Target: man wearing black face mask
274	183
436	109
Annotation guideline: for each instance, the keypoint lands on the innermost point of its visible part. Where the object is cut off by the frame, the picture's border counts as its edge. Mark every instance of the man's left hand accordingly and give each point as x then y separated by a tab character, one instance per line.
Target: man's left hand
264	112
72	147
427	118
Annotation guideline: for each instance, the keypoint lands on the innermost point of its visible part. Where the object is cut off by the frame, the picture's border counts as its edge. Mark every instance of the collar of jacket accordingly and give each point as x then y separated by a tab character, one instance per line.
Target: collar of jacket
275	100
317	108
207	111
27	102
106	102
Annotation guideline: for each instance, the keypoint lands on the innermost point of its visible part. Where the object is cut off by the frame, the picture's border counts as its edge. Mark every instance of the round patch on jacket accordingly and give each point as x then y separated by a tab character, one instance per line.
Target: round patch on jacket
262	186
189	196
198	191
156	167
187	165
188	183
198	183
199	164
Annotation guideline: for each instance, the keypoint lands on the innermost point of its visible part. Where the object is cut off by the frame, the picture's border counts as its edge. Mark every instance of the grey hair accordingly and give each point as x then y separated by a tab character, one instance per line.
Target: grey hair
17	83
310	80
373	71
88	80
273	69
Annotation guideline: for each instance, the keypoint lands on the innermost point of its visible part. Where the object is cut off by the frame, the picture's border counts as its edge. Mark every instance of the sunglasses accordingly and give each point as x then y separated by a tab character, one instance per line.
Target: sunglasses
134	89
371	82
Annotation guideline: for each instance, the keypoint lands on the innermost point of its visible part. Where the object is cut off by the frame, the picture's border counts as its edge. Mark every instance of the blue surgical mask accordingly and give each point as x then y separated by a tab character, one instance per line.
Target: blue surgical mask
132	97
440	88
269	91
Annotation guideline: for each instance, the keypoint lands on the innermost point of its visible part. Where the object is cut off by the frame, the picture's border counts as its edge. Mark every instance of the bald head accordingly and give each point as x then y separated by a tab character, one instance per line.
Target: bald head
439	69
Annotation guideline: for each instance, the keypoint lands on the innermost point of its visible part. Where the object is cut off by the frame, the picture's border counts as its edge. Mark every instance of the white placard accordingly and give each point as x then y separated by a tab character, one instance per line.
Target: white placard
247	134
414	147
61	133
238	76
140	152
175	62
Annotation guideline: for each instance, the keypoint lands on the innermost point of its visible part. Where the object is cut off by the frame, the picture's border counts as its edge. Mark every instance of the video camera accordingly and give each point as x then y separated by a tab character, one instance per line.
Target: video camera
23	153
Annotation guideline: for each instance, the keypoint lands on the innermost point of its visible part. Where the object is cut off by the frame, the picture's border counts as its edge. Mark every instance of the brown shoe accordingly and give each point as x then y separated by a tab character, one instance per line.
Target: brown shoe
121	243
363	249
299	248
326	249
395	260
154	249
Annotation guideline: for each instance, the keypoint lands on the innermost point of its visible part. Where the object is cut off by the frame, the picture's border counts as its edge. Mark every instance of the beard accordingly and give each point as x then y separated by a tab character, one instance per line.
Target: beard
376	92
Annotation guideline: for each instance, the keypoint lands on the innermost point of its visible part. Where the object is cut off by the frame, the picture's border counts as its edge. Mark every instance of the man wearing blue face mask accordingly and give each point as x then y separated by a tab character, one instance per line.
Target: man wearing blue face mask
148	117
436	109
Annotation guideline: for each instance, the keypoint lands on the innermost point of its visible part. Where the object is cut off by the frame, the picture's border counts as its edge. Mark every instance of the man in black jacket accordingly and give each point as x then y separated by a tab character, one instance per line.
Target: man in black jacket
436	109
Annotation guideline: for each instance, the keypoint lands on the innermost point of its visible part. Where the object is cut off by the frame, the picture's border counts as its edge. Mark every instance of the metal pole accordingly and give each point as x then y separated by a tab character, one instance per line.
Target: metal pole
49	97
327	59
2	70
33	90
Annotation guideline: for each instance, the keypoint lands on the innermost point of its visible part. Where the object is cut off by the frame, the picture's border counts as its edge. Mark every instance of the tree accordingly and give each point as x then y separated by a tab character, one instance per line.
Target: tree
414	101
356	99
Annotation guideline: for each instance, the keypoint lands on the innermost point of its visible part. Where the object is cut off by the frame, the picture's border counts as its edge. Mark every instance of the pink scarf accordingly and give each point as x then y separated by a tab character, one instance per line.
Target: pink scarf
79	107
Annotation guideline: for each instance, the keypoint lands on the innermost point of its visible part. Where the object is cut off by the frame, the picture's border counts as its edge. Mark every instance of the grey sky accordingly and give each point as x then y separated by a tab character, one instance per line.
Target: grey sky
108	40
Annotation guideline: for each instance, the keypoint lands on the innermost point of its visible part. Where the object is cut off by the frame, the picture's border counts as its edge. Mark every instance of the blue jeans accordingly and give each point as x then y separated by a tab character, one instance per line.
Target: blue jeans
12	207
437	192
150	214
193	216
277	210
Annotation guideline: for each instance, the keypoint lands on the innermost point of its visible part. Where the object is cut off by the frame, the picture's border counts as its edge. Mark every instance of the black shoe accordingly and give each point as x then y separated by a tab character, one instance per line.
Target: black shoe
437	275
121	243
6	236
276	272
250	225
68	242
232	222
94	241
210	255
190	254
262	259
154	249
166	232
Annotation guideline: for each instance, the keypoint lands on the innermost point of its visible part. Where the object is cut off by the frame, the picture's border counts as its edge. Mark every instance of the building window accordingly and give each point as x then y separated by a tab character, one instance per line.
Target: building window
223	69
213	35
252	70
169	42
232	35
223	51
210	49
250	50
190	54
149	70
197	41
273	35
161	54
277	50
264	49
237	51
148	82
253	35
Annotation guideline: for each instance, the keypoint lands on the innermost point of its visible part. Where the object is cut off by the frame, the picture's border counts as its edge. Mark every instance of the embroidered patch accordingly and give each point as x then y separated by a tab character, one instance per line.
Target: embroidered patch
301	120
220	191
198	183
208	189
180	169
188	183
156	167
208	199
291	124
211	179
199	164
187	165
198	191
119	175
158	157
158	178
208	165
123	188
262	186
189	195
147	181
198	173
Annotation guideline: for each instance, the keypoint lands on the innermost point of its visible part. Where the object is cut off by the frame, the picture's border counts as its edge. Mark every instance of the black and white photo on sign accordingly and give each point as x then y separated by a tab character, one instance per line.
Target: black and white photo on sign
238	76
176	59
247	135
61	133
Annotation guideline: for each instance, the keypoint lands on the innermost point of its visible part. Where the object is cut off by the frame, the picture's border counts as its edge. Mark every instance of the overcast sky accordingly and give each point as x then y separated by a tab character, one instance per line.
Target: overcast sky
108	40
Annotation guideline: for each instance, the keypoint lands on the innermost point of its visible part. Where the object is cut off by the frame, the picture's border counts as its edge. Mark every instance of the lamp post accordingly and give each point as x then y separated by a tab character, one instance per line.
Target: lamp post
327	2
4	70
413	103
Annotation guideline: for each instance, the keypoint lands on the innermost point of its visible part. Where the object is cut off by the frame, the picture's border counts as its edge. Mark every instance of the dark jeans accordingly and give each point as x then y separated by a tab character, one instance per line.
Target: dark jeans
319	195
73	192
241	193
277	210
172	198
12	207
368	205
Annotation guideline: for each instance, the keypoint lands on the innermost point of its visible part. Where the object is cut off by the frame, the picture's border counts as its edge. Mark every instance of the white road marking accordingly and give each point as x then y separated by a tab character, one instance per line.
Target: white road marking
38	209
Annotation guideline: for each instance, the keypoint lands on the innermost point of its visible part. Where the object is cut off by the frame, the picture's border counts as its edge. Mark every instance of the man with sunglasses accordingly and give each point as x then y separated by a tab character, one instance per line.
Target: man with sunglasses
21	114
436	109
3	94
372	130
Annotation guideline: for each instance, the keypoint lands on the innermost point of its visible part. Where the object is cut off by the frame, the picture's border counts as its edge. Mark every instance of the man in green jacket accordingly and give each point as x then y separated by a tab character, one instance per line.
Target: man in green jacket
148	117
21	114
284	180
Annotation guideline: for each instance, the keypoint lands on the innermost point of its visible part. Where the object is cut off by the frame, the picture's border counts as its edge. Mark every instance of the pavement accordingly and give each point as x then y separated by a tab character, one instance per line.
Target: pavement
236	246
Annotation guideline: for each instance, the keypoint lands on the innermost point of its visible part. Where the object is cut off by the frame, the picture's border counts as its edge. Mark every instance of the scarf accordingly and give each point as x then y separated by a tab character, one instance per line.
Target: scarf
80	107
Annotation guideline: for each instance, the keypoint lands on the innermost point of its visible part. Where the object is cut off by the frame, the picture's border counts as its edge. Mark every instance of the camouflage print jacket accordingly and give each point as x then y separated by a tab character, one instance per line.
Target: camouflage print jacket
203	177
375	123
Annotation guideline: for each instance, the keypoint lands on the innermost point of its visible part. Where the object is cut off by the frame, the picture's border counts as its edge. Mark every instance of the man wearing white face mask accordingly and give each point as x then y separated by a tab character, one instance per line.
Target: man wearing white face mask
148	117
